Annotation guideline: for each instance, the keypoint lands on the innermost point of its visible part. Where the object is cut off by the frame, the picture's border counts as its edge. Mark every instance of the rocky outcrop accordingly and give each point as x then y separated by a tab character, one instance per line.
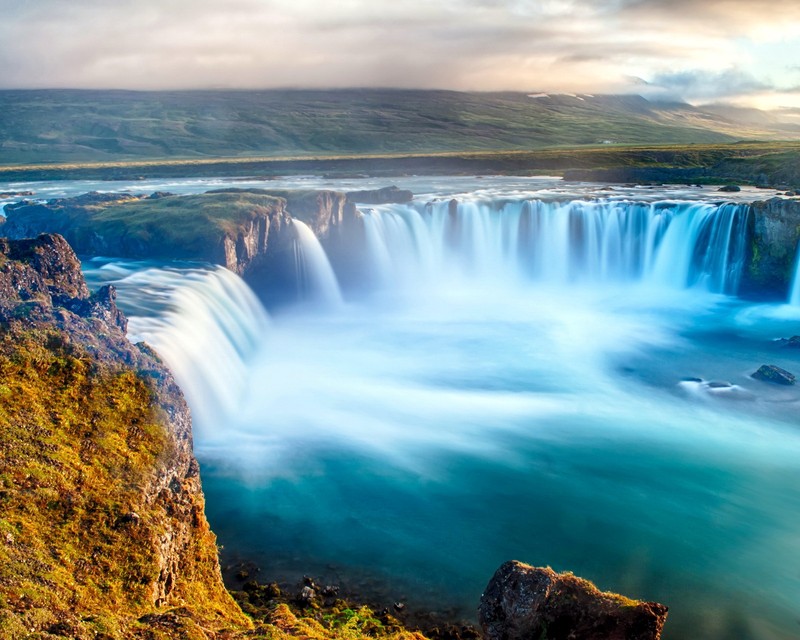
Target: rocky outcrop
775	234
774	374
249	232
522	602
230	229
100	498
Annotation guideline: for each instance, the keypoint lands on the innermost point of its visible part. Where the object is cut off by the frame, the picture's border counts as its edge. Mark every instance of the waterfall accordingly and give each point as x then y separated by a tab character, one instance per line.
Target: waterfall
794	292
678	244
315	277
206	324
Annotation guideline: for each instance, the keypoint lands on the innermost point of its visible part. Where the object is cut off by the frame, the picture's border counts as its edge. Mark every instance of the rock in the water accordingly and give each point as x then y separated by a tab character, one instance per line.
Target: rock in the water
776	375
522	602
793	342
730	188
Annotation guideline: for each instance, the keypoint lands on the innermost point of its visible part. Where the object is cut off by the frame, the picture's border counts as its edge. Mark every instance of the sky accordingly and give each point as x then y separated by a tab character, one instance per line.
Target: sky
746	52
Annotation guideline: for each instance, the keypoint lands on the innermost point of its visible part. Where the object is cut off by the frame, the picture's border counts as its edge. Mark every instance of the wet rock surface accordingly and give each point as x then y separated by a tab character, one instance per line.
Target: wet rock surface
522	602
774	374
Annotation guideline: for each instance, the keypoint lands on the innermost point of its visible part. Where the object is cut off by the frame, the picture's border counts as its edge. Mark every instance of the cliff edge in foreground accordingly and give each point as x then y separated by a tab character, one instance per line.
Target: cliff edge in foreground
102	529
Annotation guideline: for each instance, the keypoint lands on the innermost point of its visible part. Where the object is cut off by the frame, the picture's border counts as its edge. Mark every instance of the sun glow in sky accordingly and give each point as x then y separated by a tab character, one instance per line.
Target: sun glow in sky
741	51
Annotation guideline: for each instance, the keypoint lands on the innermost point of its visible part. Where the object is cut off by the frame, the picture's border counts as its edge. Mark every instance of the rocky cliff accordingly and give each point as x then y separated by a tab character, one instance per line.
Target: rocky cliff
775	236
230	229
102	529
249	232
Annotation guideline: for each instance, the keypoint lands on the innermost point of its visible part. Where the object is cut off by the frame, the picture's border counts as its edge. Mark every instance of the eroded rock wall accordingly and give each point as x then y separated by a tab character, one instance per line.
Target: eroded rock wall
774	239
101	508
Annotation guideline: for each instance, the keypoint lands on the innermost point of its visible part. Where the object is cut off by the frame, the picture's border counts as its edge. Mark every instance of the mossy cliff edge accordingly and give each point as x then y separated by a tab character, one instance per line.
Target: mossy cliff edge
102	528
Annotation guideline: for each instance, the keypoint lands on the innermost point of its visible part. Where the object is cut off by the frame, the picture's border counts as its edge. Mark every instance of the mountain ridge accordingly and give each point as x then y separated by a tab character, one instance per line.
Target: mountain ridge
65	125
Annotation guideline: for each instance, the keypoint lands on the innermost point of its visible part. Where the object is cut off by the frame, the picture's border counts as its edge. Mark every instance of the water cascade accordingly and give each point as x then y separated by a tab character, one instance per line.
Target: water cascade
206	324
678	244
794	292
314	275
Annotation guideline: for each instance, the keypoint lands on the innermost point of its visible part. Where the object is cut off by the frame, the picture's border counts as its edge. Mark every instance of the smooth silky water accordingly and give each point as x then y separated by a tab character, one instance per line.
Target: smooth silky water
520	378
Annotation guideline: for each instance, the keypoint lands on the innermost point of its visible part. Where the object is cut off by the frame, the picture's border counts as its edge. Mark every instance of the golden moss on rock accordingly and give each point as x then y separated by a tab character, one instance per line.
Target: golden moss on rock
102	529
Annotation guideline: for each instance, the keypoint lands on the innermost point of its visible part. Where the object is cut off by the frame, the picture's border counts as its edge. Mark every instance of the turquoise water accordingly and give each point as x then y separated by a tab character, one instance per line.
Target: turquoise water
422	448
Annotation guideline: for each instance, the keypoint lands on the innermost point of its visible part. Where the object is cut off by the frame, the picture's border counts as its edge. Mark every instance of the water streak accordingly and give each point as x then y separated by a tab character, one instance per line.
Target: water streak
794	293
206	324
314	275
677	244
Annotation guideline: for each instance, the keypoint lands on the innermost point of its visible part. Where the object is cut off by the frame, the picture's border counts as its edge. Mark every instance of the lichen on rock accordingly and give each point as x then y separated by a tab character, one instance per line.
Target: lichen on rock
522	602
101	509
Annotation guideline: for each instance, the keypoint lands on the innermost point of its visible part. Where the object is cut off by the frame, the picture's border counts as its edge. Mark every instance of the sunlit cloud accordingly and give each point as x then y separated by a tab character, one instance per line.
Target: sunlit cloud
555	45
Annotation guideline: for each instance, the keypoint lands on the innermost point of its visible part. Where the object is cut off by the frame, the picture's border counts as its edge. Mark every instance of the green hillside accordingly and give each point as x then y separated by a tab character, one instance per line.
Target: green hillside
78	126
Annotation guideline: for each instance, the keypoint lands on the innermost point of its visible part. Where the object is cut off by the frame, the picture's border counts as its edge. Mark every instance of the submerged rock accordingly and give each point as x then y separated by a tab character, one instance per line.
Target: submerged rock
776	375
522	602
730	188
792	343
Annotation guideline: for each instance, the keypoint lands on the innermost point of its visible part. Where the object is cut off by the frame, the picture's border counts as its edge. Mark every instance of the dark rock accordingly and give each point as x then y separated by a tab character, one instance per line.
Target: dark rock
730	188
776	375
522	602
15	194
386	195
691	379
307	595
715	384
774	234
330	591
793	342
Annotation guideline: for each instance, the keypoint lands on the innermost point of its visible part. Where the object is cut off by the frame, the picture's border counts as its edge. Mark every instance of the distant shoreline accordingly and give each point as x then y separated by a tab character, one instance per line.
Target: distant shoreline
773	164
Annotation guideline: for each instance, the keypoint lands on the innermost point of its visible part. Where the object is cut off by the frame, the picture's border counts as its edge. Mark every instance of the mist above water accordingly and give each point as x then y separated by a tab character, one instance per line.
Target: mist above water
528	380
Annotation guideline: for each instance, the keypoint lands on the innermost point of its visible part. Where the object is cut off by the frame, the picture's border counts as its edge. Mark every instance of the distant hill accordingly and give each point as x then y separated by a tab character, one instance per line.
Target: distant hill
79	126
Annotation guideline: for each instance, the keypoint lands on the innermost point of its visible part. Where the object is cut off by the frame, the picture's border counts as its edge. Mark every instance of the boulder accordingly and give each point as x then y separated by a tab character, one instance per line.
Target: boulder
776	375
730	188
522	602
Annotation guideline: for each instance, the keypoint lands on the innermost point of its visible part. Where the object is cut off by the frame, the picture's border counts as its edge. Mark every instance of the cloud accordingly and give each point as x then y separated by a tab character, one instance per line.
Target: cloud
551	45
705	84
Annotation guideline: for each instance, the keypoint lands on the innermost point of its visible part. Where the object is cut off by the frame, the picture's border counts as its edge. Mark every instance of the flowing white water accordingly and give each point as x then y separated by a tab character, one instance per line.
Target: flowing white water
671	243
794	295
315	277
206	324
524	398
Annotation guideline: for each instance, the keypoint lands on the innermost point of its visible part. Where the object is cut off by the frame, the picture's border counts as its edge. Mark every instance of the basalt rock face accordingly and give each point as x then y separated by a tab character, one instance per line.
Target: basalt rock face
522	602
250	232
101	511
774	241
229	229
